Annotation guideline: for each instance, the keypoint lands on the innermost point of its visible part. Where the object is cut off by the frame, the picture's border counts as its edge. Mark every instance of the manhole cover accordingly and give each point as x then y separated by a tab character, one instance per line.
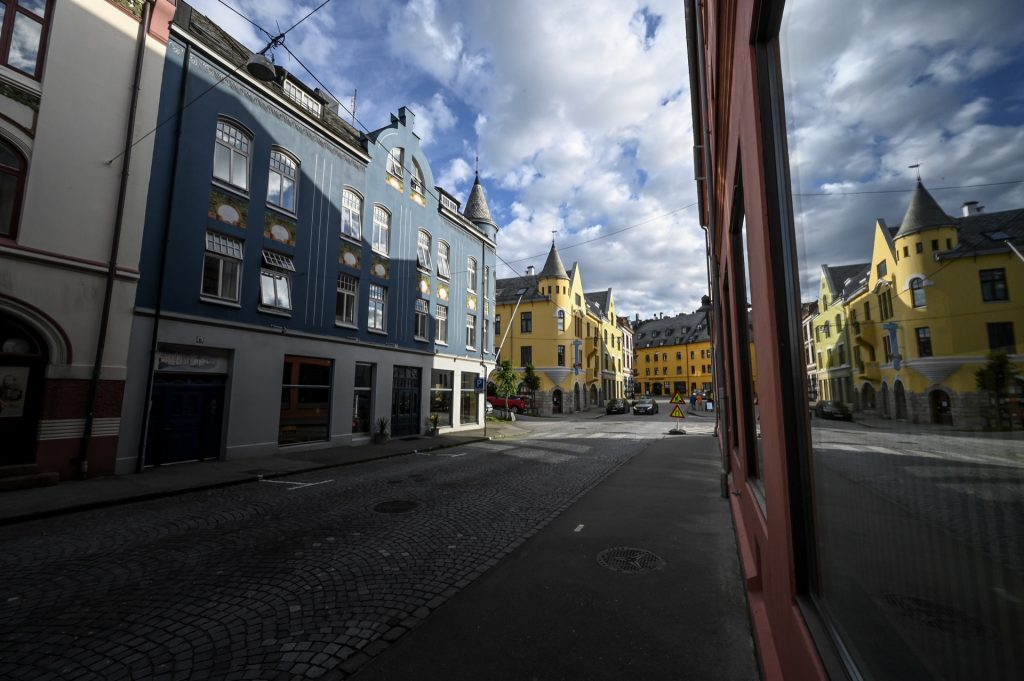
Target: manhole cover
934	615
396	506
631	560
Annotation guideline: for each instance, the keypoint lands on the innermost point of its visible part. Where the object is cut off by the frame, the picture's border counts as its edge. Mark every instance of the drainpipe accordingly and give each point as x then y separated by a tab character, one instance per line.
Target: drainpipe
483	325
158	308
81	463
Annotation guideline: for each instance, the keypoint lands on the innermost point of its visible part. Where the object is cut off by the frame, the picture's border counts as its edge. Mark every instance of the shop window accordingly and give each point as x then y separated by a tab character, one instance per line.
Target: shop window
441	396
469	400
362	398
305	400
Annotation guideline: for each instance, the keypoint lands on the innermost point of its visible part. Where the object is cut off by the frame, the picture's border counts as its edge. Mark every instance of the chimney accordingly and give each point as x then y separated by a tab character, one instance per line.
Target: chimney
971	208
529	270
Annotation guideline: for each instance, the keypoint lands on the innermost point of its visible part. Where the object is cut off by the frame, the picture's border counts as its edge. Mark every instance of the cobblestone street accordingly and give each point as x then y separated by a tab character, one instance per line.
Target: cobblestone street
302	577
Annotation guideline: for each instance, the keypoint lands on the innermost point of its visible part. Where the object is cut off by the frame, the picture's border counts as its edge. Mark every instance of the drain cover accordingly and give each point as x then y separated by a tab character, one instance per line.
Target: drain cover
396	506
631	560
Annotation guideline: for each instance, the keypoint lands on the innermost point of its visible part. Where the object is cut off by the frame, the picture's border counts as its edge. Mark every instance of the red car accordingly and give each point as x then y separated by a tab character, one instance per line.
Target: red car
515	403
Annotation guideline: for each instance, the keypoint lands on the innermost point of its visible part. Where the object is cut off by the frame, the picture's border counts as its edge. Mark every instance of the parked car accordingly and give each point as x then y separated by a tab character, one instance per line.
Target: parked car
616	407
832	409
515	403
645	405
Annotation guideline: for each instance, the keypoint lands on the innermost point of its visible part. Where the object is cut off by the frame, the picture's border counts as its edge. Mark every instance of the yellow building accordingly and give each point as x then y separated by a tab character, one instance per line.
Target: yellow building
673	354
941	292
833	346
570	338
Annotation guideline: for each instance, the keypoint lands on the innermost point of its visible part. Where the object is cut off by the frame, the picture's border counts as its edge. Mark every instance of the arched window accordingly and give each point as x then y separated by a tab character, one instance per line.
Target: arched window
444	260
917	291
561	320
471	273
395	162
423	250
231	155
12	184
381	230
281	187
418	186
351	214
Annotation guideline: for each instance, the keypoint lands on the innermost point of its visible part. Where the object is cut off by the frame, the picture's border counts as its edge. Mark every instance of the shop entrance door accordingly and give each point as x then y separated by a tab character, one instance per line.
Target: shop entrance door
405	401
186	419
23	359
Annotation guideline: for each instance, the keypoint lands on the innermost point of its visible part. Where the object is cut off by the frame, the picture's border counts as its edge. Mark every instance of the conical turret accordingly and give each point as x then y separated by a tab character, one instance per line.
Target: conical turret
553	267
923	213
476	207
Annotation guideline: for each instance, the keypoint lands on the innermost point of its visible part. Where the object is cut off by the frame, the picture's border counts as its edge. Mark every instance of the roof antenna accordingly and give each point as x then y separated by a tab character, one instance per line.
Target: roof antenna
917	167
553	233
355	92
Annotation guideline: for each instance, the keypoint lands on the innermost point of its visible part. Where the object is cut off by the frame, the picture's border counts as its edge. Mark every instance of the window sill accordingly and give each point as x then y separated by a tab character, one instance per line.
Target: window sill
276	311
286	212
444	343
378	332
357	240
220	301
234	189
345	325
383	254
421	339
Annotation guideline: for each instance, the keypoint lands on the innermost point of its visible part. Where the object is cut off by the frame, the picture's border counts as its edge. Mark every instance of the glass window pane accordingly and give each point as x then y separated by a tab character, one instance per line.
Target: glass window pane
222	162
37	7
25	43
239	170
267	295
915	470
211	275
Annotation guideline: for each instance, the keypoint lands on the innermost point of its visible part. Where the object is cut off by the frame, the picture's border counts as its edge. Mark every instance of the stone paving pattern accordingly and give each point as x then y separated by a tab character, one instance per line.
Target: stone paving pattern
275	581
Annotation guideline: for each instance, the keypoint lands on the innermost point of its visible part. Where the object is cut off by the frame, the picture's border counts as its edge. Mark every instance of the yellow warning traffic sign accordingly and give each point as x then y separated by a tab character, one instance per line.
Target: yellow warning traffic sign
677	399
677	413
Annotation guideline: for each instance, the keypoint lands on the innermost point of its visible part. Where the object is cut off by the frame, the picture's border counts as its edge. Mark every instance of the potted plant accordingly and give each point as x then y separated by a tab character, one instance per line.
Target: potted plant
432	423
381	435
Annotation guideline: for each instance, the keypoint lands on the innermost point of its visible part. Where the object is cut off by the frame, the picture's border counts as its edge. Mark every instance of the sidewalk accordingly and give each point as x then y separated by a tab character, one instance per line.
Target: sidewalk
78	495
551	611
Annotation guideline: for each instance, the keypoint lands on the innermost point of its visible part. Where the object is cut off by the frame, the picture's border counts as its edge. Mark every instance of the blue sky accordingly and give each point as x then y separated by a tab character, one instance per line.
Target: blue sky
579	112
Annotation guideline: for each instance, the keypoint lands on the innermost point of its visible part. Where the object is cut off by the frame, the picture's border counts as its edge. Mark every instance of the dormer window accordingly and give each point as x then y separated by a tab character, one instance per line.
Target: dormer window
303	98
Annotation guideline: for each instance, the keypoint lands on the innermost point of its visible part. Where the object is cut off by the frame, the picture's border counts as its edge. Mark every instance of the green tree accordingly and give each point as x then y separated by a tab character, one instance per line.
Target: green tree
532	382
996	377
505	381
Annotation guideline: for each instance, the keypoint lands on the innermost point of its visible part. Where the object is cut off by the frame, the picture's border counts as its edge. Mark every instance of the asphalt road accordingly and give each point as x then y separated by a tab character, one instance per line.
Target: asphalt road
306	577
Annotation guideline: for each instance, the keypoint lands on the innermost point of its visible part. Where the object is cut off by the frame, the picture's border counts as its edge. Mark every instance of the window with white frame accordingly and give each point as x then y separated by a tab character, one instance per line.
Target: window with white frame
351	214
395	162
221	267
231	155
422	319
348	294
281	181
487	281
484	336
441	316
276	281
471	273
470	331
423	248
418	186
381	230
376	316
303	98
444	260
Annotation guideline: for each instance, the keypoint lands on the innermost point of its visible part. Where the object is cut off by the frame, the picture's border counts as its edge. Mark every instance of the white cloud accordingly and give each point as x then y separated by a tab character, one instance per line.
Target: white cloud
432	118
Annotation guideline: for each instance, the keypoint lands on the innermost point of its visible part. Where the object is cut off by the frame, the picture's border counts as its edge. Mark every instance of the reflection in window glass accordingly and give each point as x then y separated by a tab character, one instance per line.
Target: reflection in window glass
25	40
305	400
917	470
756	451
362	398
469	400
441	396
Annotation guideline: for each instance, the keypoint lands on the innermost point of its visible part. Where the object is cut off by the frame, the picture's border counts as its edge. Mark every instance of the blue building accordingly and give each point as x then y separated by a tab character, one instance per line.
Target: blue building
300	280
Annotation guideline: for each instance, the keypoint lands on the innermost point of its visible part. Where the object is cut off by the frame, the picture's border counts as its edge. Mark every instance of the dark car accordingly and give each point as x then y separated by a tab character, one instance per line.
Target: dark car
832	409
645	405
616	407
